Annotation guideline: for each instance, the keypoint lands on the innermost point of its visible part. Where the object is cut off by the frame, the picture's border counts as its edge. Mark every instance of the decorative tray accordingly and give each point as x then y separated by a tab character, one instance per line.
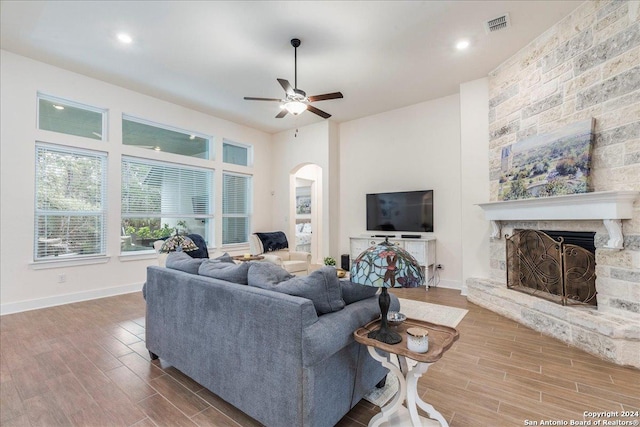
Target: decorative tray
441	338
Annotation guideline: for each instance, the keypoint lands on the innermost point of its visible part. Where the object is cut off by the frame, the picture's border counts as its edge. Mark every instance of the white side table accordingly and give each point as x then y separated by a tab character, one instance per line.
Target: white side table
395	413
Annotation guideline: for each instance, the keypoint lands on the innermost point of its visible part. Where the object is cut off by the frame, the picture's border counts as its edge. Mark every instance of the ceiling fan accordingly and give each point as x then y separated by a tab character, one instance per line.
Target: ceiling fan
296	100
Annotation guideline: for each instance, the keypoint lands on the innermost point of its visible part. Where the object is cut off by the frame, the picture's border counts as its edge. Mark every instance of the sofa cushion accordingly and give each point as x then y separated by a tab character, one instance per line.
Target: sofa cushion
352	292
267	273
183	262
321	287
231	272
225	257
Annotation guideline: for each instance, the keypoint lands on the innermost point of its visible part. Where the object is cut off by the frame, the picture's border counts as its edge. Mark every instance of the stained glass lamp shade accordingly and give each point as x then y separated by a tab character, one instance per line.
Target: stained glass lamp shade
386	266
177	244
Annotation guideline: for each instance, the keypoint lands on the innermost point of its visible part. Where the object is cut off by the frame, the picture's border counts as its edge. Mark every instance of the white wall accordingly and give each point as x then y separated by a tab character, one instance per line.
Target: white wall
474	138
23	287
412	148
310	146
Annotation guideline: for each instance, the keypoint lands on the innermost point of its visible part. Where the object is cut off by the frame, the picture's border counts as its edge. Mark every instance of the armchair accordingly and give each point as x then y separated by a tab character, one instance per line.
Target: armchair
292	261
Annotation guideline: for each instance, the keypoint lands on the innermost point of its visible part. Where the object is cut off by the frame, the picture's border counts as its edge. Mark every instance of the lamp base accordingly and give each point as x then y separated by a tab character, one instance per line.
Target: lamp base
385	335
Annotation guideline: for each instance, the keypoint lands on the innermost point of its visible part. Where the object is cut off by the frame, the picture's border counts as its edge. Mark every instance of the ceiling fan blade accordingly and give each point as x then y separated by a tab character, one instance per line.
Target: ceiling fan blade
321	113
251	98
281	114
286	86
326	96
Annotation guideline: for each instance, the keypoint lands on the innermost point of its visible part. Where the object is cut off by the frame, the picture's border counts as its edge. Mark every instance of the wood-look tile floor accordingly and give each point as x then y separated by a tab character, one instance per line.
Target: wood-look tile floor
86	364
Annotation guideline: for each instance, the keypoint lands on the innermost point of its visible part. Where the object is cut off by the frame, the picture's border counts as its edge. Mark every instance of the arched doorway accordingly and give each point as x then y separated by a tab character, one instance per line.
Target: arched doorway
306	209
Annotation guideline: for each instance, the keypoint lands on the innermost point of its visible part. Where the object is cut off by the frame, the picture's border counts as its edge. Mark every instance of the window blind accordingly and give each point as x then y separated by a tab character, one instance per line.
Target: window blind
236	208
70	202
163	189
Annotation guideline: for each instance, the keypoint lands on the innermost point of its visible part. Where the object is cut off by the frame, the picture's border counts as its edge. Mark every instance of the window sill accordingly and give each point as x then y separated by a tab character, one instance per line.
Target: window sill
72	262
235	246
138	256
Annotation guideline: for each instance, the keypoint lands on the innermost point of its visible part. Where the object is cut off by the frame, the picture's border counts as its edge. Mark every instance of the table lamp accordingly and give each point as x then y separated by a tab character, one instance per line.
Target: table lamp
178	243
386	266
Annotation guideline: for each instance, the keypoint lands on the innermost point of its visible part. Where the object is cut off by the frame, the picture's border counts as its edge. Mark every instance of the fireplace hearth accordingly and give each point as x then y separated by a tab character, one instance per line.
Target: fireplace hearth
552	266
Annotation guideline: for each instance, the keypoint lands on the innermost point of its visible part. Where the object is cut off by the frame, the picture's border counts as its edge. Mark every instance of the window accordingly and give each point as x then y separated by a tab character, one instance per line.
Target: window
236	208
237	154
153	136
160	199
70	205
71	118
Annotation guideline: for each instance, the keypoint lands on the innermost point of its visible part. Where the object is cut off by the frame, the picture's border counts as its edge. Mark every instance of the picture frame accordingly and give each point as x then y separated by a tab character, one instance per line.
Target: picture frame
551	164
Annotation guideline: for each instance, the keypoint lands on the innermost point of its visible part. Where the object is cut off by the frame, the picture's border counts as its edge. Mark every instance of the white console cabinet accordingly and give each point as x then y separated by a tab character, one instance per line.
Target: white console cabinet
423	250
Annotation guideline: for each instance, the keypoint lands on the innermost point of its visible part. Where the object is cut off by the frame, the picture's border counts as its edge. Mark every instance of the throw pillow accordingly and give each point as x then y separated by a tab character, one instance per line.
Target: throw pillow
266	272
225	258
231	272
321	287
183	262
352	292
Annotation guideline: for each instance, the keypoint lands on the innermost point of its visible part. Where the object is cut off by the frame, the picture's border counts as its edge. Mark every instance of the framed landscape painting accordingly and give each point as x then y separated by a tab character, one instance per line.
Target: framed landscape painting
548	165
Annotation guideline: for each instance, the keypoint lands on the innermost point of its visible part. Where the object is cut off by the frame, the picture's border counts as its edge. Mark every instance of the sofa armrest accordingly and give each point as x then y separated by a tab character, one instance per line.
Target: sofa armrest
334	331
274	259
300	256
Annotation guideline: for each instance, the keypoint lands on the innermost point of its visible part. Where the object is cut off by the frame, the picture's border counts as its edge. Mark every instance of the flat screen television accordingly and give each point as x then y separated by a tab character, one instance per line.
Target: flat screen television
410	211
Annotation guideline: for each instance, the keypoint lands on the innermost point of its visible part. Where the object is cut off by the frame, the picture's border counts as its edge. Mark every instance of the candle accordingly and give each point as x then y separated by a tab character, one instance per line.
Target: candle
418	340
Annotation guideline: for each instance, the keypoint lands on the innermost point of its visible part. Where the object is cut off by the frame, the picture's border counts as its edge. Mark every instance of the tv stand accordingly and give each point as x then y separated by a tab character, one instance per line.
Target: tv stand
423	250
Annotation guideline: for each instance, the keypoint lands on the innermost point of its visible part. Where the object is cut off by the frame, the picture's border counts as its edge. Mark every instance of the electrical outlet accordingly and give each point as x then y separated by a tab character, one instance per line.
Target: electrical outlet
62	278
439	267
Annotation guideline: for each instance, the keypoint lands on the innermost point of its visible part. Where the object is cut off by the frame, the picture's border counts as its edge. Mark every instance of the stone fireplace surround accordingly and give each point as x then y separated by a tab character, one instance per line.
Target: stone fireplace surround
607	332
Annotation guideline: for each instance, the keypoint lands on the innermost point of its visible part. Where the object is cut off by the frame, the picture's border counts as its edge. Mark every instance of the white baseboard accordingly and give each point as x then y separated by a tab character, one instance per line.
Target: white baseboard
17	307
449	284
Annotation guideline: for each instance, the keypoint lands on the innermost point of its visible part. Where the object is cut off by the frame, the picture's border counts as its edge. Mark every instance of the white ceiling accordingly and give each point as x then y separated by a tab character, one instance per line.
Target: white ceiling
208	55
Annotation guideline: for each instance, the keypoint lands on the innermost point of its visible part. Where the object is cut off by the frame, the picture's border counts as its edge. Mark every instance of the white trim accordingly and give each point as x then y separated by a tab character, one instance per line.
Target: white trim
137	255
71	262
448	284
35	304
608	206
586	206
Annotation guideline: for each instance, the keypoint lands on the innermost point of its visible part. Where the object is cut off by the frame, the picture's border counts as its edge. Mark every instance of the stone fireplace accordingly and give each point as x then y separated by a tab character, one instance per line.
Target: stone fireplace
612	329
583	67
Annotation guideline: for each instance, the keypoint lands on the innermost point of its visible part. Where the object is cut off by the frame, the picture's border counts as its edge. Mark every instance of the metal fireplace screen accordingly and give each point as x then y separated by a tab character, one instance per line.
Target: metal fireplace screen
542	266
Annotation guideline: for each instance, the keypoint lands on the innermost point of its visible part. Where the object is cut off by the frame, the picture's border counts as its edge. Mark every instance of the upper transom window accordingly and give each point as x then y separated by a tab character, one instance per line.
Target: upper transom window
71	118
153	136
235	153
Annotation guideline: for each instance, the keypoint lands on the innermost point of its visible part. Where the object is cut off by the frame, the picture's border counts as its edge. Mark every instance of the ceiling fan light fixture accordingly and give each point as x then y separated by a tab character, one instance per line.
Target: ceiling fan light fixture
295	107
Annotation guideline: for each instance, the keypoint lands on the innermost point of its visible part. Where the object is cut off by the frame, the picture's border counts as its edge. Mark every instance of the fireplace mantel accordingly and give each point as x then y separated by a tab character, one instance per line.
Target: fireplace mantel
611	207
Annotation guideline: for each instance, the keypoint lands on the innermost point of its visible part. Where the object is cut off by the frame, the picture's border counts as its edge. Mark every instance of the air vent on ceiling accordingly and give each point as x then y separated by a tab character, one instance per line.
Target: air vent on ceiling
496	24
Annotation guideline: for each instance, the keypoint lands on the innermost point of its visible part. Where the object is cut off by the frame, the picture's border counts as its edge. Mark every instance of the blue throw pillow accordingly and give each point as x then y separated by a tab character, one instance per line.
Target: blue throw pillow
352	292
183	262
231	272
266	272
321	287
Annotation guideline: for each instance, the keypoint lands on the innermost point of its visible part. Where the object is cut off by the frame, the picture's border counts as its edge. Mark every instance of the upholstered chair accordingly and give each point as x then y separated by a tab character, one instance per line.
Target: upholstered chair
292	261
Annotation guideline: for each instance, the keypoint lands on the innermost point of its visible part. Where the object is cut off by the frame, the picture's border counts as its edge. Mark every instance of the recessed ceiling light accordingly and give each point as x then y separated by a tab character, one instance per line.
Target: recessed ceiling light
156	148
125	38
58	107
462	44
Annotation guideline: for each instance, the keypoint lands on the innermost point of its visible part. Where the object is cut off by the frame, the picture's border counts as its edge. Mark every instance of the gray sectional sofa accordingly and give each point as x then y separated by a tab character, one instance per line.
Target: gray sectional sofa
266	351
